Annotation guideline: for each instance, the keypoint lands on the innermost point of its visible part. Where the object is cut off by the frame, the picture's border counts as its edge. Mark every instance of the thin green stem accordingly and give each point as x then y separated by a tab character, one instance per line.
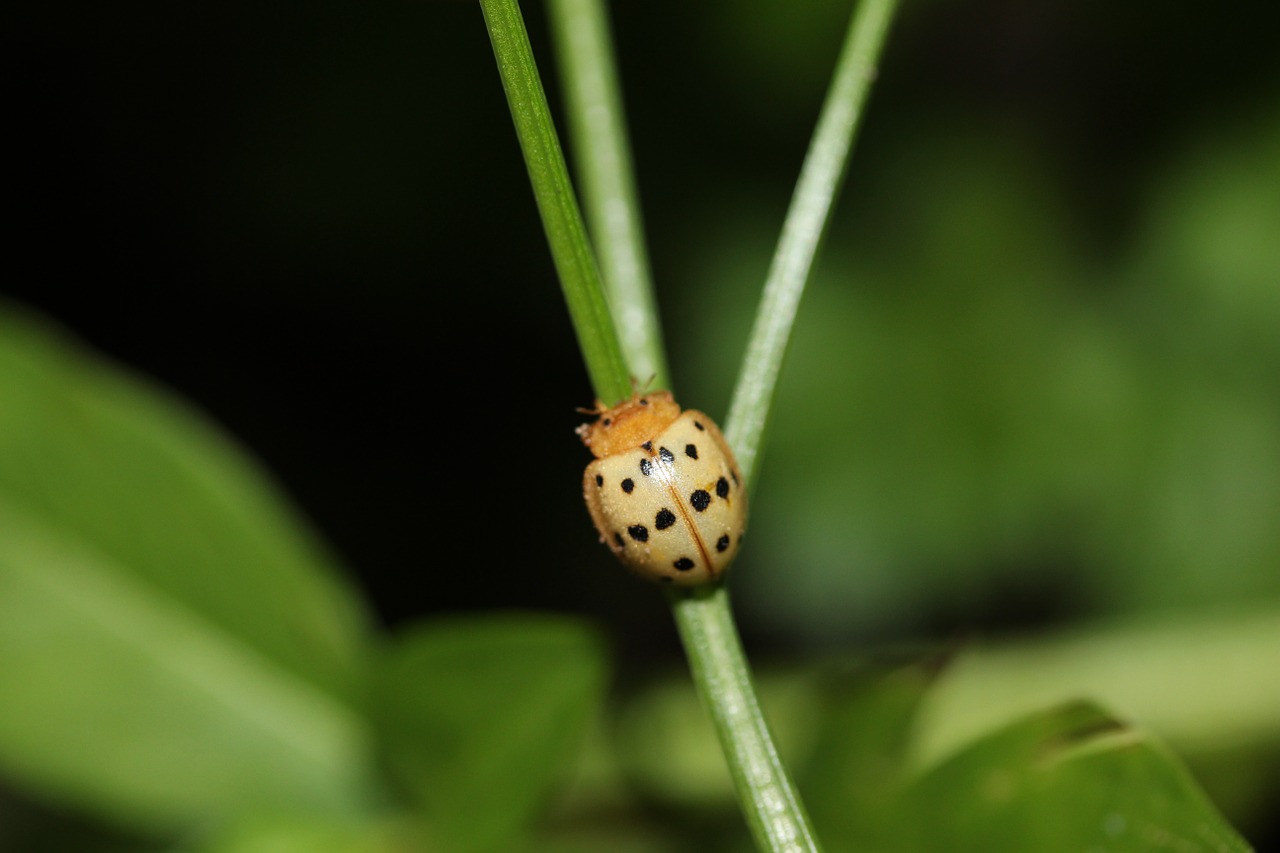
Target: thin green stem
561	219
765	791
598	131
815	194
768	796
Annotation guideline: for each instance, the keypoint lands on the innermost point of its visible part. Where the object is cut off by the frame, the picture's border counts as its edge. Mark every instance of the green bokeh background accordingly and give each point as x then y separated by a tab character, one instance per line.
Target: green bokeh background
1033	383
1033	377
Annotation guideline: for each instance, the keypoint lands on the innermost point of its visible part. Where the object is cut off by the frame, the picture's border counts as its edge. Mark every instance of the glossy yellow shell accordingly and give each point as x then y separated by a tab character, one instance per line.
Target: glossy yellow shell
665	493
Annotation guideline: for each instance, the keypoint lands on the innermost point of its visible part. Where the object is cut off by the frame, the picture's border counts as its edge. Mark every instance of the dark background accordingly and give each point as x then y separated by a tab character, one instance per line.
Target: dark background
311	220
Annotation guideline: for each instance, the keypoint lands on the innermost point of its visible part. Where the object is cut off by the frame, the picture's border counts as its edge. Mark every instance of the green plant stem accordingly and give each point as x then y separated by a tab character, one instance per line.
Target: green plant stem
561	219
765	791
598	131
767	795
810	211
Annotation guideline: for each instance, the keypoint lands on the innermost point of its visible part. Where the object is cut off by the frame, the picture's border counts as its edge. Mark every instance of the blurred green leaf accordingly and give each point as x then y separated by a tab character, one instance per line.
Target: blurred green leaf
173	647
854	738
1206	682
479	717
1070	779
133	474
667	747
310	835
619	838
858	763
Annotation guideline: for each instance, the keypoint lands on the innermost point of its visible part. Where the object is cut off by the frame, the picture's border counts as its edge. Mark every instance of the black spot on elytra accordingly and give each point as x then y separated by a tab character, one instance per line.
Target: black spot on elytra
648	446
599	480
734	475
607	421
684	564
700	500
722	487
617	537
638	532
691	450
644	401
700	427
646	467
722	543
628	484
667	455
664	519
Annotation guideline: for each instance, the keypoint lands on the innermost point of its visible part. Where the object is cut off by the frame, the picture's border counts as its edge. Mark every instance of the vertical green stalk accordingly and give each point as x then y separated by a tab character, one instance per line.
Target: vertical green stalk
602	155
768	797
767	794
561	219
806	223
